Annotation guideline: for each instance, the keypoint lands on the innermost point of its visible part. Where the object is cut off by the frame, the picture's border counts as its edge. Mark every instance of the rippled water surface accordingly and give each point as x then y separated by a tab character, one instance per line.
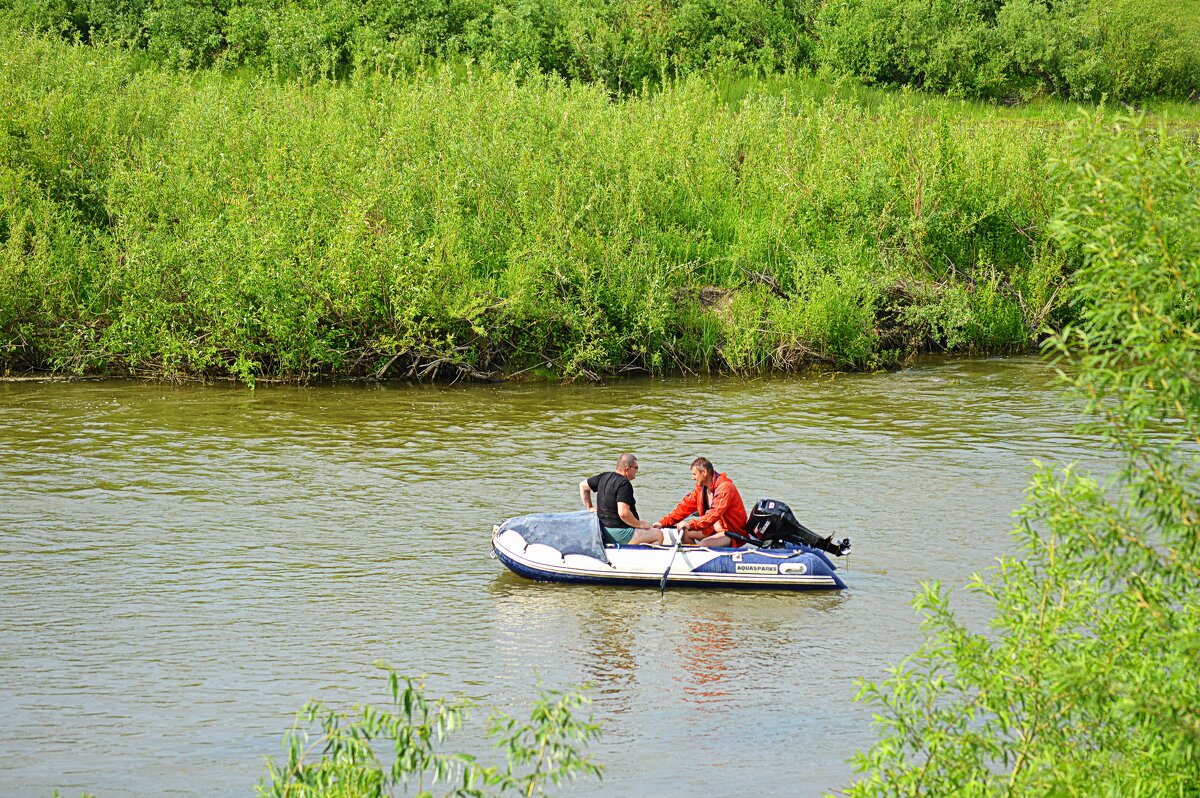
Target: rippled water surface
184	566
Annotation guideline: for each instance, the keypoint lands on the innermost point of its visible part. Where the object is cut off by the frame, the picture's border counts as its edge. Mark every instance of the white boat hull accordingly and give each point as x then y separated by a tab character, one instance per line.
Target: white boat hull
772	569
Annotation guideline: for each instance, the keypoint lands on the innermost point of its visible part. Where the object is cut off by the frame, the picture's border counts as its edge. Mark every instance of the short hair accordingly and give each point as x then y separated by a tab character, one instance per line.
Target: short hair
704	463
626	460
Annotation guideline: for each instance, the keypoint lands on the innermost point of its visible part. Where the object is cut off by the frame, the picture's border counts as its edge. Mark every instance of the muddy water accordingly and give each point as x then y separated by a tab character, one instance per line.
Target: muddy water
184	566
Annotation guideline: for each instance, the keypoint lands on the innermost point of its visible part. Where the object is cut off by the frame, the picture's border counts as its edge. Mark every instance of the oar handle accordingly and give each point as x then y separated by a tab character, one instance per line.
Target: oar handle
662	585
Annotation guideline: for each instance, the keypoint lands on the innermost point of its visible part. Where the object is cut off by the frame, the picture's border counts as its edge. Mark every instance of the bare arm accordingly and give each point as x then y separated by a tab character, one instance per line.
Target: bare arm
626	513
585	494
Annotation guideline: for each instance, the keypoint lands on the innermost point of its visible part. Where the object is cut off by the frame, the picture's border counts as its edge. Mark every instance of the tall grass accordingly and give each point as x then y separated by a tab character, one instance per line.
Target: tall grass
153	222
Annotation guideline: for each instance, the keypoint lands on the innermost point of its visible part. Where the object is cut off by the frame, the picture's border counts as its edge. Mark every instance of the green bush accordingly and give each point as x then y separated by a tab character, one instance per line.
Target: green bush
1150	48
1082	49
182	33
940	45
349	759
994	49
621	43
1084	683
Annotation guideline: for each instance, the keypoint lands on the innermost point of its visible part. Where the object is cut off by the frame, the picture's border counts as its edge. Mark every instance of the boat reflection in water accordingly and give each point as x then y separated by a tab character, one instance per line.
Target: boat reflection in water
706	649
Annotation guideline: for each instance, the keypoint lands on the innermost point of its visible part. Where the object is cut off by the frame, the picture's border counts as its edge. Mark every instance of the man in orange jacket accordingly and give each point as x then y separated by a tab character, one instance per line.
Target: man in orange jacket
717	505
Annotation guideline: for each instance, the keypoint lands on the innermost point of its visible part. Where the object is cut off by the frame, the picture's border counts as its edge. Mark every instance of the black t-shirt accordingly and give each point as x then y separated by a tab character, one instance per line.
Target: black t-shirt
610	488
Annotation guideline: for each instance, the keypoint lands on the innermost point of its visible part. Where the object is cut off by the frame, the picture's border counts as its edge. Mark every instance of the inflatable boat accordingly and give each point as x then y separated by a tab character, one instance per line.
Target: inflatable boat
567	547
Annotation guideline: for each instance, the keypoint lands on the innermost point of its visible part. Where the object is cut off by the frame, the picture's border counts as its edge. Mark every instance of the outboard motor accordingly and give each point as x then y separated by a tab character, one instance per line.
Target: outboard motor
773	523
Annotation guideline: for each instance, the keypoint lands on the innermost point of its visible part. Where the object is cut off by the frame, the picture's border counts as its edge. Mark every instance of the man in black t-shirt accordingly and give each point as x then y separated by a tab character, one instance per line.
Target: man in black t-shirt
615	505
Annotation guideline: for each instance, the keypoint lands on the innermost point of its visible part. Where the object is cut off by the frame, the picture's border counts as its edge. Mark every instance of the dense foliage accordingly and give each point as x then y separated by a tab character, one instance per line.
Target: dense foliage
374	751
620	43
156	223
1017	49
1005	49
1086	684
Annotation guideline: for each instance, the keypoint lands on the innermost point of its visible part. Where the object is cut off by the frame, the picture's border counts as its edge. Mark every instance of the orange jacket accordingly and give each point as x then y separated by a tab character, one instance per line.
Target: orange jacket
726	507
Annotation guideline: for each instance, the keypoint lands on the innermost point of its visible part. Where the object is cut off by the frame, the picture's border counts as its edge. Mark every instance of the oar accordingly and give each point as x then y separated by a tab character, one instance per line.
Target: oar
662	586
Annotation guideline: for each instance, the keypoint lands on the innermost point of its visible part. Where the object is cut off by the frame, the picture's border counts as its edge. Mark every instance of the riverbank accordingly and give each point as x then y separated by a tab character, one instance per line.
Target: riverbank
447	225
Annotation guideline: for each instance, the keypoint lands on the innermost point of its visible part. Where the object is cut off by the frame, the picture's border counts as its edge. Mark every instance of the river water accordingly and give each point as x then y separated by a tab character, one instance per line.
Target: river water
183	567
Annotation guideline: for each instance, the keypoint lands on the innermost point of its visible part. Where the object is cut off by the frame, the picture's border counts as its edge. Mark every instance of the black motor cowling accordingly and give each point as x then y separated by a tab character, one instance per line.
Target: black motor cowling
772	522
